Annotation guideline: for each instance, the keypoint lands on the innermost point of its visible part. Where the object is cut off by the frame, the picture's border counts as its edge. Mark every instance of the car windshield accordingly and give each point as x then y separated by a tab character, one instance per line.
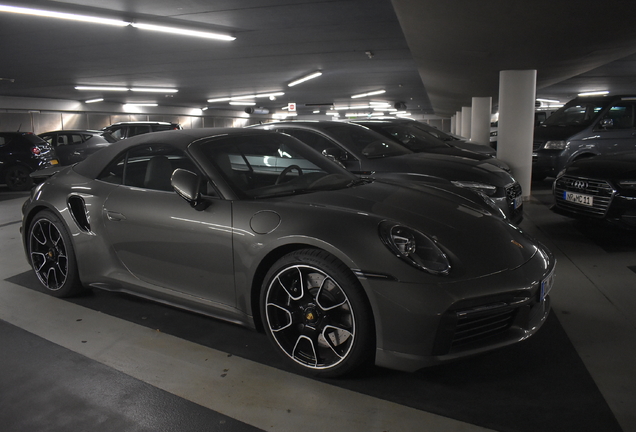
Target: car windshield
410	136
272	165
367	142
433	131
578	114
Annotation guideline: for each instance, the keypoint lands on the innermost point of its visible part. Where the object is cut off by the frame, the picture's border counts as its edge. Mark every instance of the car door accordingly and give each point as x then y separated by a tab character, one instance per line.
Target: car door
159	237
615	132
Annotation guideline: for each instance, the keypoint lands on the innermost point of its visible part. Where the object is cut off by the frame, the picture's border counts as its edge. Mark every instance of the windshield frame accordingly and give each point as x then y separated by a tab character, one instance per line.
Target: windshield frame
261	168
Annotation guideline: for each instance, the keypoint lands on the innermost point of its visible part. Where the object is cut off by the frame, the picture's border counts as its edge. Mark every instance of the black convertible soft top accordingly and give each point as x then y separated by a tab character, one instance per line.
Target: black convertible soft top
93	165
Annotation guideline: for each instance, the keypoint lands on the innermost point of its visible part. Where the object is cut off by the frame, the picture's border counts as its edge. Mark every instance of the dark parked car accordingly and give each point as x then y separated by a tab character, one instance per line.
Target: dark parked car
601	188
456	141
265	232
73	146
584	127
21	153
365	152
416	139
124	130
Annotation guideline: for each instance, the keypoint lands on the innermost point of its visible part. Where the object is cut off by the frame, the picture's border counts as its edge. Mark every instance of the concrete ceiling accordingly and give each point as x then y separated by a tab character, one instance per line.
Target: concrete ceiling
431	55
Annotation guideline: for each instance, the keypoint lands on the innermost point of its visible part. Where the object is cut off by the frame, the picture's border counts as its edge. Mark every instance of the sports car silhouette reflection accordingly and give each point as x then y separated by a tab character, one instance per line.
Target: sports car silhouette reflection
257	228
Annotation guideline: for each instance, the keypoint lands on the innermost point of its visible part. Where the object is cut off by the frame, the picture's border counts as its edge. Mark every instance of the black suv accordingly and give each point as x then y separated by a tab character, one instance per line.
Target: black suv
128	129
21	153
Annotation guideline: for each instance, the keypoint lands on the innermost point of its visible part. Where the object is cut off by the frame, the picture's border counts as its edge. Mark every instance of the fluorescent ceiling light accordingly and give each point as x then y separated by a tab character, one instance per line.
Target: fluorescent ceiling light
235	98
307	78
548	100
141	105
224	99
67	16
94	100
154	90
594	93
101	88
242	103
270	94
184	32
377	92
115	22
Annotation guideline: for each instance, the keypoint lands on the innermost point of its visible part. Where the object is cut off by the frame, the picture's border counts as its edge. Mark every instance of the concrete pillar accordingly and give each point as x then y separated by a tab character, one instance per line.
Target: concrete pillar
458	123
480	120
517	94
466	115
452	124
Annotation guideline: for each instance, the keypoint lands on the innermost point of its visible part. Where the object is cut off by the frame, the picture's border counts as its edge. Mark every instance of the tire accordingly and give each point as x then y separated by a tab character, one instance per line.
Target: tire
316	314
51	255
18	178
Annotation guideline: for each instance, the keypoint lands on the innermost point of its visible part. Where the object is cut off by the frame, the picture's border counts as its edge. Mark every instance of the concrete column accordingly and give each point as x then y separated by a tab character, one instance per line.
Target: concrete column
517	94
458	123
452	124
466	117
480	120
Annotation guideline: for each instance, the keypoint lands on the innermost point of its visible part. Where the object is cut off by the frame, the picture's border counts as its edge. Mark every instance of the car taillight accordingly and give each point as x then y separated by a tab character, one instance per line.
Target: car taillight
36	150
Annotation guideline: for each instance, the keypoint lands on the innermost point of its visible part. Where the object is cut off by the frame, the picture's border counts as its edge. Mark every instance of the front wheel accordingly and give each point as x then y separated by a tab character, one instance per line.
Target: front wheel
316	313
52	256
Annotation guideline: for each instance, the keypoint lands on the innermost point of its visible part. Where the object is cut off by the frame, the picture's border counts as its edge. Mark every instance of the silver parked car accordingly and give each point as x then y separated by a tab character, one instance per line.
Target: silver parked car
257	228
366	152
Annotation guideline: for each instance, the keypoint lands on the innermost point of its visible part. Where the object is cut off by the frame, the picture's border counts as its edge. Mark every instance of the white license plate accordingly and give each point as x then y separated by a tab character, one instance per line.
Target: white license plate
586	200
546	286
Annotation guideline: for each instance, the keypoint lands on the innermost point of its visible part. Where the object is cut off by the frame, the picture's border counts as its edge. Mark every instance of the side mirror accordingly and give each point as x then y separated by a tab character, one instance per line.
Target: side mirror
187	185
607	123
335	154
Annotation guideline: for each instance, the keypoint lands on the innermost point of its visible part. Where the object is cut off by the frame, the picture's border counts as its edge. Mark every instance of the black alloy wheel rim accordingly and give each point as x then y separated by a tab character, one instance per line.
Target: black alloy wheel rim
310	317
48	254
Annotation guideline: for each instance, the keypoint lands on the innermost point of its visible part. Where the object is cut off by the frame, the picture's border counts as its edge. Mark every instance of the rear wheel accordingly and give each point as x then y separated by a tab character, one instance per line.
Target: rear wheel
18	178
315	312
52	257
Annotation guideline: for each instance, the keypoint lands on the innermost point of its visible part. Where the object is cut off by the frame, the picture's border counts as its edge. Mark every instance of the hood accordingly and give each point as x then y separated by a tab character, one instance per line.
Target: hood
615	167
553	133
476	242
453	168
474	147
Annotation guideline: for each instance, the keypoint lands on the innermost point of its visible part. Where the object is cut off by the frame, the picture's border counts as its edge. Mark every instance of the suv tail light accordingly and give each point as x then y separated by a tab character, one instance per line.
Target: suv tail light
36	150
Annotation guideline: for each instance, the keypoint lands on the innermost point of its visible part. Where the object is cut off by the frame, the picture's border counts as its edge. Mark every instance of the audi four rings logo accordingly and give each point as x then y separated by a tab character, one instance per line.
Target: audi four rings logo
577	184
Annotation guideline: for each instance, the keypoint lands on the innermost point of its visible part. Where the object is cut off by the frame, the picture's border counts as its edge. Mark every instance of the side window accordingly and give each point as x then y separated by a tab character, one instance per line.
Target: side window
147	167
619	116
312	139
49	139
62	140
138	130
117	132
75	139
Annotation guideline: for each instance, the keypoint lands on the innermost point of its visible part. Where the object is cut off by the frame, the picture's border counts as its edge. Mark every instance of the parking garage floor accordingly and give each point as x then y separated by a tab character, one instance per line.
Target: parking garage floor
111	362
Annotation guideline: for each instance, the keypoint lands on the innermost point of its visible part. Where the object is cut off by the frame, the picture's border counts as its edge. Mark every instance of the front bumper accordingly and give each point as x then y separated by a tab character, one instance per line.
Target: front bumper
454	320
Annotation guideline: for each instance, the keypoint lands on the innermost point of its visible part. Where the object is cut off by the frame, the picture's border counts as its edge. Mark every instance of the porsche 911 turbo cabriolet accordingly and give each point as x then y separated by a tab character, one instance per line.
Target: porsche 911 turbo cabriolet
259	229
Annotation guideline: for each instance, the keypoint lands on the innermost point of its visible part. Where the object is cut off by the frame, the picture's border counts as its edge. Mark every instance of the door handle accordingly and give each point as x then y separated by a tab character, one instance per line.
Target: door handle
114	216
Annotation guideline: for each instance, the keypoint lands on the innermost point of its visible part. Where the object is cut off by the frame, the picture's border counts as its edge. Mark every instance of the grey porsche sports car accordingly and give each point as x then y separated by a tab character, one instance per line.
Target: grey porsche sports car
259	229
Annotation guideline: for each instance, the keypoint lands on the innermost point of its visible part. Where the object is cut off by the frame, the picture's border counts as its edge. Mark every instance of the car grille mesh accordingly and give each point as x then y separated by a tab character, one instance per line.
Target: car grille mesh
600	190
474	326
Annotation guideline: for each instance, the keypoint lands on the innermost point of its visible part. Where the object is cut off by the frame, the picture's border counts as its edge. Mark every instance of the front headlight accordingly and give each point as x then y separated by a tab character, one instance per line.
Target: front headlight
555	145
486	189
414	248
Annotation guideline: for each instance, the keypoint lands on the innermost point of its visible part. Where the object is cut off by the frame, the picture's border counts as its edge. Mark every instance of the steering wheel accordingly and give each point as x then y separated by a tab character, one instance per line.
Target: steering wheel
286	171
